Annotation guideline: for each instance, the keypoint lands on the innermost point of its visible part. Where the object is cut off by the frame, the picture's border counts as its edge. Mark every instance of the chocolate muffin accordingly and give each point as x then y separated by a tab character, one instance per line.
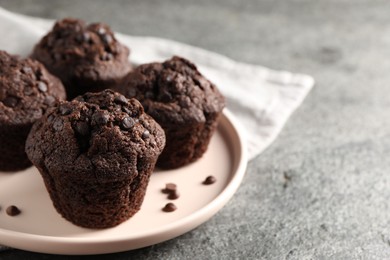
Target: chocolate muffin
26	91
96	154
87	58
182	101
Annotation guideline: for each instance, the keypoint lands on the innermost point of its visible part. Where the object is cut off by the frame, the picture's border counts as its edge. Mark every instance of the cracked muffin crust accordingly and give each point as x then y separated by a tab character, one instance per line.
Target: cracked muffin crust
96	154
27	90
182	101
87	58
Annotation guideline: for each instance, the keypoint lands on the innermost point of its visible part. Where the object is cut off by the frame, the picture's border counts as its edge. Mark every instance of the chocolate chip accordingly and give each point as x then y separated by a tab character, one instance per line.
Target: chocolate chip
209	180
42	86
64	110
169	207
50	118
169	188
28	91
39	73
13	211
173	195
58	124
145	134
120	99
101	31
49	100
100	118
106	56
10	101
84	37
26	70
127	110
107	38
82	128
127	123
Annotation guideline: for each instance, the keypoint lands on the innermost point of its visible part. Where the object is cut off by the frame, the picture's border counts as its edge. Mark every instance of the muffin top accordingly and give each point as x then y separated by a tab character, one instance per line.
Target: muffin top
75	49
27	89
98	136
173	92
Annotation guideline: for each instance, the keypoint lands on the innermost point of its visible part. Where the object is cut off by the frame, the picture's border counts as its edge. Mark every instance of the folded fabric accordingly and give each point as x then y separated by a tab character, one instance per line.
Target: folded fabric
261	99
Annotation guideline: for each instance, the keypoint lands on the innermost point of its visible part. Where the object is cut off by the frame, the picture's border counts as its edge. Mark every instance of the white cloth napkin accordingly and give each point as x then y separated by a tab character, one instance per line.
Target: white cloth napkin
261	99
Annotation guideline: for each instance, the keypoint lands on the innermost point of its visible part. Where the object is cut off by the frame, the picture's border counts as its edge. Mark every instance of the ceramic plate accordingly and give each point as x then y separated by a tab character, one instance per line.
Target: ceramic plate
40	228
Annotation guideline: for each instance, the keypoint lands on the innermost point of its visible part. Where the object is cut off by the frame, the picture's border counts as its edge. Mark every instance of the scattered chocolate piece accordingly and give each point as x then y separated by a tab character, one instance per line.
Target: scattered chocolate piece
173	195
169	207
209	180
42	86
13	211
169	188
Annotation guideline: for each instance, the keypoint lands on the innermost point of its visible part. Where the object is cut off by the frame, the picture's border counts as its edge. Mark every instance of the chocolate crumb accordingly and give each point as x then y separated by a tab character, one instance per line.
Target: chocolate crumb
13	211
169	207
209	180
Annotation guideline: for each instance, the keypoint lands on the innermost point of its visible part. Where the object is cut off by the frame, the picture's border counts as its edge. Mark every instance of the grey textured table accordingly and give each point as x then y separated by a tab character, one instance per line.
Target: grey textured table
322	190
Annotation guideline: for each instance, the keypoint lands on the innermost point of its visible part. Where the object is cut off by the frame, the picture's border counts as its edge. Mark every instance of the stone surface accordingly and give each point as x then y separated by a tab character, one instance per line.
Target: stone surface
322	190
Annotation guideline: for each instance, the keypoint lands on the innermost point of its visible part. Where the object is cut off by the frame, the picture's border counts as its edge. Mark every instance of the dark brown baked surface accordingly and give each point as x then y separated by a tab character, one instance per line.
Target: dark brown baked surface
182	101
27	89
87	58
96	154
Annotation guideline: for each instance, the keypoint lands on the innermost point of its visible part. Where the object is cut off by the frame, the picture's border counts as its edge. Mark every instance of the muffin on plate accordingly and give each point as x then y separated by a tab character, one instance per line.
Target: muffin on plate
96	154
27	89
87	58
182	101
